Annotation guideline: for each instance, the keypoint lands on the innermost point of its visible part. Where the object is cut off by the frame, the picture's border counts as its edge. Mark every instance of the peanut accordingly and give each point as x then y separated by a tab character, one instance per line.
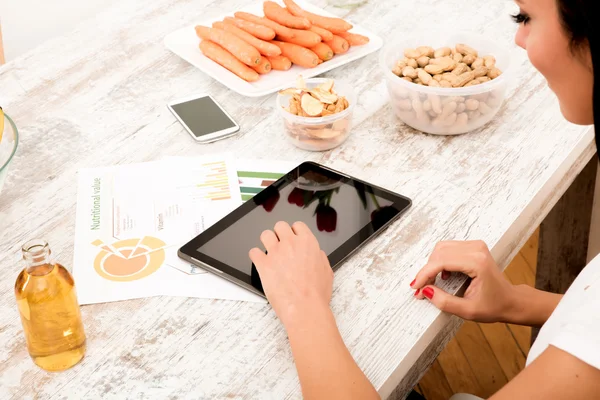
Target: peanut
474	115
406	78
494	73
401	64
412	63
436	103
442	52
465	78
461	108
450	77
483	79
423	61
450	119
472	104
437	77
469	59
449	109
445	83
461	68
480	71
462	119
426	105
457	57
489	61
434	69
412	53
446	62
484	108
434	83
424	77
410	72
466	50
426	51
474	82
477	63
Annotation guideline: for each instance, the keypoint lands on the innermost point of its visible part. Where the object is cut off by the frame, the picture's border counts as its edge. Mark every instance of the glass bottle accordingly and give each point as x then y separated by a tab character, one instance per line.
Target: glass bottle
49	310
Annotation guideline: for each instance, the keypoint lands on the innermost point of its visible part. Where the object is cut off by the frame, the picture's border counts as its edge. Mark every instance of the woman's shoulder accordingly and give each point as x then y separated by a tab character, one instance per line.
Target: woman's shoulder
575	324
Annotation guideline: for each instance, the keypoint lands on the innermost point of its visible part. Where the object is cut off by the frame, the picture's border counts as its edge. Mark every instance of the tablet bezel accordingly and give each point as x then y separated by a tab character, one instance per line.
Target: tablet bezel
189	252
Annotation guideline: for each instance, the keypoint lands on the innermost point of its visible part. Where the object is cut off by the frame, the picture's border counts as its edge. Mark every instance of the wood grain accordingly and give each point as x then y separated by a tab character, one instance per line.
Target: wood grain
97	97
510	357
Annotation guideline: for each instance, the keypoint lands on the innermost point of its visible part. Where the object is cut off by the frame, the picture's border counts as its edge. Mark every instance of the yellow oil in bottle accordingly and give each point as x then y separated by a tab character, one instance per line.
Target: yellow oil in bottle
49	310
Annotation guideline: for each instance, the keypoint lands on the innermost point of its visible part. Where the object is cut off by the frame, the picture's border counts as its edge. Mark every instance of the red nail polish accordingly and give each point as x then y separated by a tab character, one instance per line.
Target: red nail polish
413	282
417	292
428	292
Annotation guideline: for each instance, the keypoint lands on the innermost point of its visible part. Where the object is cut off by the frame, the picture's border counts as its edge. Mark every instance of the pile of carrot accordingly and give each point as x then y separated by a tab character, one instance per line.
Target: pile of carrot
250	45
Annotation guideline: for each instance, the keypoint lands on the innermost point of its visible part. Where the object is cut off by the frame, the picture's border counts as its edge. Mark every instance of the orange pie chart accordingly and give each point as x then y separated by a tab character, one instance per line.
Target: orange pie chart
130	259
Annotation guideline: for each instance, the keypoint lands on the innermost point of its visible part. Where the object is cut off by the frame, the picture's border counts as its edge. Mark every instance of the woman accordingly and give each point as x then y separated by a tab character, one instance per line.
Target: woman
562	42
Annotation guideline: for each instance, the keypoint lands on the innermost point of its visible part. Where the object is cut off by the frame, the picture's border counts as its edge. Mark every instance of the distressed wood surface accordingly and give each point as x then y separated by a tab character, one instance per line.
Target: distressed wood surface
97	97
565	235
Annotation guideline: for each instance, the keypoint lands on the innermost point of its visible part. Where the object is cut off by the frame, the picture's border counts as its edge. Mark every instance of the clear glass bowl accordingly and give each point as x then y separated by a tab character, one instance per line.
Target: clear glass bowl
8	147
404	95
319	133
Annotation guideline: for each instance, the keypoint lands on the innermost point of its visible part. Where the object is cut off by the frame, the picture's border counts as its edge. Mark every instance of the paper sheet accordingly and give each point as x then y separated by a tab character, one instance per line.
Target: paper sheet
132	219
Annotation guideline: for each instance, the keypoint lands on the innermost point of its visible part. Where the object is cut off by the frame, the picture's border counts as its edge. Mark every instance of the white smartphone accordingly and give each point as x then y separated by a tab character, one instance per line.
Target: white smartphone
203	118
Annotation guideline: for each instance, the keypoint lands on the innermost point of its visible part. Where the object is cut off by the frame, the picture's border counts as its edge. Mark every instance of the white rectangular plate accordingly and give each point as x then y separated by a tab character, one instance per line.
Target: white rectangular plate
184	43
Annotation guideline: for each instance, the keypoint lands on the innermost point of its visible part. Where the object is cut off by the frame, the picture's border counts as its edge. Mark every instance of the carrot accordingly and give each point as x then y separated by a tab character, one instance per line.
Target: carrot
264	67
280	63
301	38
275	12
233	44
260	31
298	54
264	48
324	33
335	25
227	60
339	45
354	39
280	30
323	51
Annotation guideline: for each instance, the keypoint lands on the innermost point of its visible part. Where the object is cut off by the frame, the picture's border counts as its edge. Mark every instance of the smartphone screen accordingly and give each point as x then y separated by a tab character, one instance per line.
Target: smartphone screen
203	116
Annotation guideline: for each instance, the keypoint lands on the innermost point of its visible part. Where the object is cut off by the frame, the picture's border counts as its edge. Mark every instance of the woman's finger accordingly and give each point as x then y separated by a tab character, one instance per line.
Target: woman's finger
465	263
283	230
258	258
300	228
449	303
269	239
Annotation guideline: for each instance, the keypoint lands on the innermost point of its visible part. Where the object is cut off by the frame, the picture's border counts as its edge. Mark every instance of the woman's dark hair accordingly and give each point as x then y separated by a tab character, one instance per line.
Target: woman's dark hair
581	25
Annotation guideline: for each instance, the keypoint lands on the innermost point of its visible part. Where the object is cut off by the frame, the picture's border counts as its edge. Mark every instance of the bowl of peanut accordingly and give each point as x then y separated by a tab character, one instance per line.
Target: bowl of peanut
446	84
317	113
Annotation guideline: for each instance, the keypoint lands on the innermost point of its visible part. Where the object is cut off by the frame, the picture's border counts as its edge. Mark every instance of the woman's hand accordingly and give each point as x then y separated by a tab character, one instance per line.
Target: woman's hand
489	297
295	273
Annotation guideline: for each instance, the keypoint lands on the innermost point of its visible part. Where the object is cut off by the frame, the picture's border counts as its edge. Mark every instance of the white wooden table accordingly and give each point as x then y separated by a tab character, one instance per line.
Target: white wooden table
97	97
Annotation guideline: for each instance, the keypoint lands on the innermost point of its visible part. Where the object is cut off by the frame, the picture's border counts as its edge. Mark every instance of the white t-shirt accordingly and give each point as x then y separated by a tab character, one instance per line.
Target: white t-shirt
574	326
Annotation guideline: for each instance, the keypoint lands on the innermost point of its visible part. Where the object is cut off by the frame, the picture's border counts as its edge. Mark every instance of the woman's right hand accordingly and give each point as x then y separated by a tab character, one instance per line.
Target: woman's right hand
489	297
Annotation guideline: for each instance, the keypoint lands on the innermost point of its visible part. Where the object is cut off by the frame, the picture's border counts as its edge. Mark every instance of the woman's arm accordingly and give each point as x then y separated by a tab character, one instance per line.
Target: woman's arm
298	280
554	375
325	366
530	306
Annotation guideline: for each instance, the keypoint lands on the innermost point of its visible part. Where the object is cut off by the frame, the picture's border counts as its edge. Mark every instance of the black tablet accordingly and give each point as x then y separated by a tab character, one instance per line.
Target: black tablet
342	212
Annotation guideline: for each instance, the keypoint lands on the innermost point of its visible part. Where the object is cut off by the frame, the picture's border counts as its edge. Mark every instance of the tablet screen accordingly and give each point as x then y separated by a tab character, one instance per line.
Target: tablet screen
340	211
333	215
